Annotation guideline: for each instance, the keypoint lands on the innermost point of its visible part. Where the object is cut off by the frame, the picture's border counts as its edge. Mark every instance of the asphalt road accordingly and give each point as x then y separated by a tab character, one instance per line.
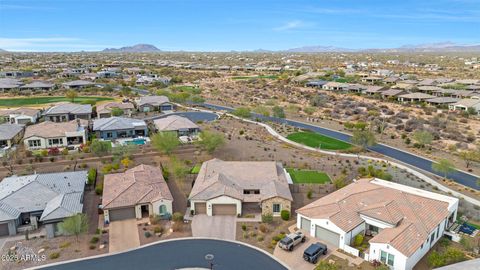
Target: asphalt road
180	254
405	157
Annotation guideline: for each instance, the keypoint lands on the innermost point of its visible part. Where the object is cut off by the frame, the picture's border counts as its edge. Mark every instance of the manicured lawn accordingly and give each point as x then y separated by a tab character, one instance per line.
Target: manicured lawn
316	140
26	101
308	176
196	169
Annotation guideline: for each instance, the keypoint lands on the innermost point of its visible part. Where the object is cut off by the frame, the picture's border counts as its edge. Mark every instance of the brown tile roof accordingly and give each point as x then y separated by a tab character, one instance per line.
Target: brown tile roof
50	129
173	123
413	216
107	107
218	177
141	184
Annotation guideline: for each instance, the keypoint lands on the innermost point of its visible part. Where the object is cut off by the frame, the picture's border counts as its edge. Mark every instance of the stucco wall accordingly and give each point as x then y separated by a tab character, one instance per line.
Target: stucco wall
156	206
267	205
324	223
224	200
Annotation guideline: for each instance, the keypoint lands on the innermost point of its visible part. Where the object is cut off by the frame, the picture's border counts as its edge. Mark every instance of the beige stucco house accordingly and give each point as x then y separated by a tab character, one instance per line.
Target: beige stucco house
138	192
238	187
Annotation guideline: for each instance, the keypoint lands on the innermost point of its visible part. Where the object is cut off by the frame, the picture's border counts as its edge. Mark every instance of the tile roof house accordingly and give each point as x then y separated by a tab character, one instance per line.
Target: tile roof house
465	104
154	103
30	201
119	127
181	125
414	97
105	110
78	84
10	134
55	135
236	187
20	115
68	111
38	85
138	192
403	222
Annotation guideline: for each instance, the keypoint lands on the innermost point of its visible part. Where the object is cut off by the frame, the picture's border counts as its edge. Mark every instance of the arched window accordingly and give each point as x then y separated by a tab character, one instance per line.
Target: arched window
163	209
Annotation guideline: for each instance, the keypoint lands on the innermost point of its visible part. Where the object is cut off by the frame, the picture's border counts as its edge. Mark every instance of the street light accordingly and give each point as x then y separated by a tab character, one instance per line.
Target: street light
209	258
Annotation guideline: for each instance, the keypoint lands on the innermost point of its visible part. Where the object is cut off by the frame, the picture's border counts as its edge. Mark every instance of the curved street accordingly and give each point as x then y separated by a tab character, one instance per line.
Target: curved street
178	254
413	160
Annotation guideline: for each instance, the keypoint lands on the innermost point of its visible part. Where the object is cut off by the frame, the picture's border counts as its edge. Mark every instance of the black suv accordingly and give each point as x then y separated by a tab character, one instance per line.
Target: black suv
314	251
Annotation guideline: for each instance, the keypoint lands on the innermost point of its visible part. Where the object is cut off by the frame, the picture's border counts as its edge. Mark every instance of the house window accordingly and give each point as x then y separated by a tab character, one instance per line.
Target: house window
34	143
438	231
432	237
109	135
55	141
276	208
387	258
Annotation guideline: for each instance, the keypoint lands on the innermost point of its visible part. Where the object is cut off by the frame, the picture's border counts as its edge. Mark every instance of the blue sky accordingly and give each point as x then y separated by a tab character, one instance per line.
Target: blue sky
223	25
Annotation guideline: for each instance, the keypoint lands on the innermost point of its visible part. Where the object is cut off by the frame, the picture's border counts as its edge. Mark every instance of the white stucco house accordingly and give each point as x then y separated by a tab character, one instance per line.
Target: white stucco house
138	193
402	223
48	134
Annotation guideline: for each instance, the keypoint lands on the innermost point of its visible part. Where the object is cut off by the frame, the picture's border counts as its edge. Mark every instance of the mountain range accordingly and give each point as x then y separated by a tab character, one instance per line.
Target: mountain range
427	47
139	48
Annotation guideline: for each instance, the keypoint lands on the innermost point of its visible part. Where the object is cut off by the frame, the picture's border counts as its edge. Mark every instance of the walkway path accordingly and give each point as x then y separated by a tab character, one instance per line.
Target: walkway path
461	177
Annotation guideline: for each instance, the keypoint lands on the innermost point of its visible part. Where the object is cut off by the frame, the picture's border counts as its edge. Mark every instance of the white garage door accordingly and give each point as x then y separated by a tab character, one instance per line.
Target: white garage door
327	235
305	224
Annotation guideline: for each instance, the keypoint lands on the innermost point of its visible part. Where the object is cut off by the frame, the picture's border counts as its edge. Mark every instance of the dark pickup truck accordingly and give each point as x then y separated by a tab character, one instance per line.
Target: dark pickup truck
314	251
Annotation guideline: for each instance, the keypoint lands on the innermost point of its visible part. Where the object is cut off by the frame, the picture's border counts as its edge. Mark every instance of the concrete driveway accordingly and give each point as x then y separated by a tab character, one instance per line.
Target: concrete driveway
222	227
123	235
294	259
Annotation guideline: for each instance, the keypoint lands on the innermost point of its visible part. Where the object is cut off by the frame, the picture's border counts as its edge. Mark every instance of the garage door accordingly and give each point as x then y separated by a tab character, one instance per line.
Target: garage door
200	208
224	209
327	235
4	229
122	214
305	224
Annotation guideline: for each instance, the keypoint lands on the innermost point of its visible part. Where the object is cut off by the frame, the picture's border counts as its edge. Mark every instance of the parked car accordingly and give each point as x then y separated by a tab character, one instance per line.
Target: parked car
291	240
314	251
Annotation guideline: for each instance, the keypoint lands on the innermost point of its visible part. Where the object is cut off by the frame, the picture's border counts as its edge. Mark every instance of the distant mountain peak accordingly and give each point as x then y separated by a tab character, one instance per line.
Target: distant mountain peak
135	48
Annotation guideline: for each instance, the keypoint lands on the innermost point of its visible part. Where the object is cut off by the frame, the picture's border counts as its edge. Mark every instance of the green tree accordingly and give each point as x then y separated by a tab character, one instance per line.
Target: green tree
422	137
210	141
177	168
260	109
242	112
363	138
101	148
278	112
116	111
443	166
75	225
71	95
469	156
165	142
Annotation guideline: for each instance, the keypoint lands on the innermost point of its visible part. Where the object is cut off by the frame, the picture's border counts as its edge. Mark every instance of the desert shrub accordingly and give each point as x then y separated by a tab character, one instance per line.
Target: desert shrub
325	265
309	194
358	240
263	228
267	218
177	216
94	240
99	189
244	227
285	214
158	229
177	226
65	244
92	247
260	238
147	234
54	255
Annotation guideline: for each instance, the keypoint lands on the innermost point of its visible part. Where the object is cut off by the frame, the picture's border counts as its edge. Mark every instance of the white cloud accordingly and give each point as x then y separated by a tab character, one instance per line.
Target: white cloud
291	25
